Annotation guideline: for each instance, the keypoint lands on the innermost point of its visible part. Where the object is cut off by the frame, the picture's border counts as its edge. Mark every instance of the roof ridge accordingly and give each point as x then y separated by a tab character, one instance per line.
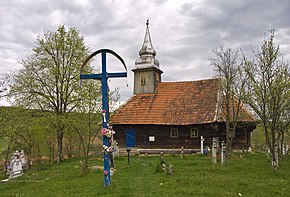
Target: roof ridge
209	79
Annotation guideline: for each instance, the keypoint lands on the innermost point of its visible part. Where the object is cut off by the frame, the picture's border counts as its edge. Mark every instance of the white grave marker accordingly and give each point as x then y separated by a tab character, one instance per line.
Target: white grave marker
16	165
201	144
214	147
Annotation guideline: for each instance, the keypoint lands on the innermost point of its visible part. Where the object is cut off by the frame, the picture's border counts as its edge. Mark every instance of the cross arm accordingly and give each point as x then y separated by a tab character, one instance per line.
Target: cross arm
116	75
99	76
91	76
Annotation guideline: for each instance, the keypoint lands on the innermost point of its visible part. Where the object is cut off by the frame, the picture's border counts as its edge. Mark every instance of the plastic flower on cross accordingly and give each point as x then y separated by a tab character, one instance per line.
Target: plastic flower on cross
105	172
107	149
108	132
104	131
110	127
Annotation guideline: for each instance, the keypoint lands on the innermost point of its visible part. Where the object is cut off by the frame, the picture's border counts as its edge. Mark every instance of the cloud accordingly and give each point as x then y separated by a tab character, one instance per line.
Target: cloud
183	32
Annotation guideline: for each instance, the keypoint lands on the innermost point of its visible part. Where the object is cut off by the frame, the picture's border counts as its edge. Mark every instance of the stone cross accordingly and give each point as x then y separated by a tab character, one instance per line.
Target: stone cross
201	144
214	147
105	103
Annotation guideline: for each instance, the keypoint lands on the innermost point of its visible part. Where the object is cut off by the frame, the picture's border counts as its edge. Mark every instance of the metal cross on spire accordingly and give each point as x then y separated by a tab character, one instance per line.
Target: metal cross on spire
147	23
105	103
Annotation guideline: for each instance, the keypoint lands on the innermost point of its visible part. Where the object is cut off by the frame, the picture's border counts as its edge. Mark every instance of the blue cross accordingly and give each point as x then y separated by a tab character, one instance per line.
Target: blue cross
105	104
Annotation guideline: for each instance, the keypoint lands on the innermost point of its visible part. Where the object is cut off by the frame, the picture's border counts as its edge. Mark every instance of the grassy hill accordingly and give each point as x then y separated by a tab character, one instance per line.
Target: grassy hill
194	175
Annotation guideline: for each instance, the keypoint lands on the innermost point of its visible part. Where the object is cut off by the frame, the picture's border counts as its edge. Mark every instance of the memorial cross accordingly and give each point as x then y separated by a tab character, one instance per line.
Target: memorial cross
105	103
214	159
201	144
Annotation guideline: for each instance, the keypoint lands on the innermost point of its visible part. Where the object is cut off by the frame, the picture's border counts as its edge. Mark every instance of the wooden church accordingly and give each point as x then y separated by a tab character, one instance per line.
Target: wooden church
168	115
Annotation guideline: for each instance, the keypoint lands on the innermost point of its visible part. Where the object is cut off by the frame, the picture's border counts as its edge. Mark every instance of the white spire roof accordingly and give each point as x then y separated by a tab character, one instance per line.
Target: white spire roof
147	53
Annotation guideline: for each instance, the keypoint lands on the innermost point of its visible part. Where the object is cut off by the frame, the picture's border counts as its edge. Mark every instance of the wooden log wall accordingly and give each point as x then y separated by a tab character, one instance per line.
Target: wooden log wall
164	140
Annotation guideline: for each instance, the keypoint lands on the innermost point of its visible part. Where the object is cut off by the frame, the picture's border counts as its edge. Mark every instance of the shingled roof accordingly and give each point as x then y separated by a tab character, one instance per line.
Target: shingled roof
176	103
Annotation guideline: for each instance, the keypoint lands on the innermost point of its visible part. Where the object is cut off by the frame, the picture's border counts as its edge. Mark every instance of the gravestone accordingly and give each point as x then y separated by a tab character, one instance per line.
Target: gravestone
23	160
223	153
170	171
164	168
17	164
214	148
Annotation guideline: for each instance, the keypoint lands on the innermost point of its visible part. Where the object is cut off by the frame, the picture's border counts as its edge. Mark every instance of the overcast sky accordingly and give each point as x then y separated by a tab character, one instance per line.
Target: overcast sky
183	32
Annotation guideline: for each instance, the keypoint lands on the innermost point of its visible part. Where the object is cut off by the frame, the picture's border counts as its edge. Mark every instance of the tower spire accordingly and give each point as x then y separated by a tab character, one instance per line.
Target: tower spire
147	53
147	73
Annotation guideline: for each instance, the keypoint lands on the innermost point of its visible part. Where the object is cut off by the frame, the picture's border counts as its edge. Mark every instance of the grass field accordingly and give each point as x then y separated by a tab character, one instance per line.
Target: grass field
194	175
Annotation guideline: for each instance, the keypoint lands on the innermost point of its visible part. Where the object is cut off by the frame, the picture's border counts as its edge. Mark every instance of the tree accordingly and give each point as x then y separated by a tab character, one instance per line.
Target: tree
86	119
22	130
268	92
227	66
49	79
4	81
11	125
31	135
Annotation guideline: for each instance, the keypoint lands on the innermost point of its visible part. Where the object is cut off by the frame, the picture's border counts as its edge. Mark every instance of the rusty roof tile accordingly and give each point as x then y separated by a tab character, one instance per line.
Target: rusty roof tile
175	103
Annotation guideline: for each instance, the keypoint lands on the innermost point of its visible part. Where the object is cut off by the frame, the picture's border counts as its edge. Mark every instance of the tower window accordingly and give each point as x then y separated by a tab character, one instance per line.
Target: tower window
143	82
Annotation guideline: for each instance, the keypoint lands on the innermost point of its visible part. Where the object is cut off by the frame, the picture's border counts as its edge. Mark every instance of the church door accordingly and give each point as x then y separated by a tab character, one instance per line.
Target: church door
130	137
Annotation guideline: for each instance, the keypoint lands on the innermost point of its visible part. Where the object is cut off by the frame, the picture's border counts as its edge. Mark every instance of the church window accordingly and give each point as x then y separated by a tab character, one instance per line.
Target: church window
174	133
193	132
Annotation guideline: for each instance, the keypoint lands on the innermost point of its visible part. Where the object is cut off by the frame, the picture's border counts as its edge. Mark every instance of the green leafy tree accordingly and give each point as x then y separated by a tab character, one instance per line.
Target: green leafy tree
31	136
49	79
268	92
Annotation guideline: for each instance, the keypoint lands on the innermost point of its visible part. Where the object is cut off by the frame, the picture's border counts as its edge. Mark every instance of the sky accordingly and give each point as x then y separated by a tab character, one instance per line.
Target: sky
183	32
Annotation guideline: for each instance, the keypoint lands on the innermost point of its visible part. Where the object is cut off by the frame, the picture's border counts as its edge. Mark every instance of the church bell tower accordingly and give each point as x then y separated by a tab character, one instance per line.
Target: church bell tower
146	72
